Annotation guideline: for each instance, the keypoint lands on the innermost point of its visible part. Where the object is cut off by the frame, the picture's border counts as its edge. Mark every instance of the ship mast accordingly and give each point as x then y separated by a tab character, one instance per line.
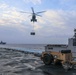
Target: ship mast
75	33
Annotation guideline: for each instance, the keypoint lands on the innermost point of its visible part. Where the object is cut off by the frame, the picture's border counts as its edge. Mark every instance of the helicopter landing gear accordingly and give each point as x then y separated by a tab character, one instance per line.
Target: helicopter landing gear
31	20
35	20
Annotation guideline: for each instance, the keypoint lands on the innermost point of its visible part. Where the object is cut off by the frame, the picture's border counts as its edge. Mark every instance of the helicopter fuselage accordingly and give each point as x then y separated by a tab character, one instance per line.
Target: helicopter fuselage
34	18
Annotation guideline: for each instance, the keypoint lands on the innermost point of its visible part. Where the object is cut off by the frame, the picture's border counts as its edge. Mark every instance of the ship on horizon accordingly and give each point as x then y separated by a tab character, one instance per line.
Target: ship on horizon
2	43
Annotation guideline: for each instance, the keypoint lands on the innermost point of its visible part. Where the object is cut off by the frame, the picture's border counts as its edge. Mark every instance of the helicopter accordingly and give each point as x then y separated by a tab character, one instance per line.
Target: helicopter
33	14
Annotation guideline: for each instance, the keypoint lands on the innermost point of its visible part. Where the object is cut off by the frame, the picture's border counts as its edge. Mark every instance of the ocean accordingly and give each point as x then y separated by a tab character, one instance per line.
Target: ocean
38	48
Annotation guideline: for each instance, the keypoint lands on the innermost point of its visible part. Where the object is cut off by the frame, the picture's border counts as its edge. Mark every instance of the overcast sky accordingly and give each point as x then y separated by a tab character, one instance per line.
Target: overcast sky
55	26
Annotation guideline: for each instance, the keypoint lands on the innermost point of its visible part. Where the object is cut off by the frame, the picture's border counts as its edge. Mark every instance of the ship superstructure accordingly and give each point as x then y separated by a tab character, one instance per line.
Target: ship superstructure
58	47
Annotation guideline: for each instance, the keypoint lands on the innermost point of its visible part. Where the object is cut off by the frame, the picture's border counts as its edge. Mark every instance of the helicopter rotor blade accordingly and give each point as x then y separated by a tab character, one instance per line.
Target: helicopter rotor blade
25	12
40	12
29	15
38	15
32	9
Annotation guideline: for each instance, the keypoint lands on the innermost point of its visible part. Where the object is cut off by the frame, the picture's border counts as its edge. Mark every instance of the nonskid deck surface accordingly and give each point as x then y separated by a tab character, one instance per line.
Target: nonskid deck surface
21	63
